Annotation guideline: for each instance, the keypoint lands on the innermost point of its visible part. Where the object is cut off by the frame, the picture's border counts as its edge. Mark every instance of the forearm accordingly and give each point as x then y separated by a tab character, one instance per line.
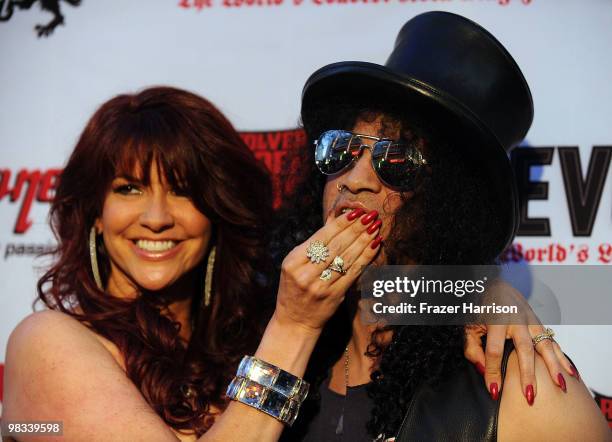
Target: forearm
285	345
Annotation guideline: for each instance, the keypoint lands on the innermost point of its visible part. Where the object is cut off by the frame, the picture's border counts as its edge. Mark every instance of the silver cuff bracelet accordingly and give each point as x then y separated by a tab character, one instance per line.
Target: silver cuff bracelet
264	399
273	377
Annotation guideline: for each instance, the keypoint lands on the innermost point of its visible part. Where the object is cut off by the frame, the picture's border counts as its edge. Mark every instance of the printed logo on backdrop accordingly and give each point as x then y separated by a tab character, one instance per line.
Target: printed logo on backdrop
7	7
605	403
22	188
583	194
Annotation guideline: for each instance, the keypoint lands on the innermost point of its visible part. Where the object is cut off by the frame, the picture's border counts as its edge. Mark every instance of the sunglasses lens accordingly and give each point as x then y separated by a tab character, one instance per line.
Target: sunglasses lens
334	150
396	164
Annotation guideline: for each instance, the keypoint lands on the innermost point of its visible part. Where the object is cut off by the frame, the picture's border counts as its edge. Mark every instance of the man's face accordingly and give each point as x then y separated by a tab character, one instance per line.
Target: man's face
360	185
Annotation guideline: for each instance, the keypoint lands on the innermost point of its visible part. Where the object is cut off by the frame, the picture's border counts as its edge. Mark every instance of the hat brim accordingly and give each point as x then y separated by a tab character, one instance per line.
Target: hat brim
481	145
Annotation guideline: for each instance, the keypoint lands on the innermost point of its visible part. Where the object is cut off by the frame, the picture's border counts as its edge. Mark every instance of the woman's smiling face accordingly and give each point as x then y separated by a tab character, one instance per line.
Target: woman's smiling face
153	236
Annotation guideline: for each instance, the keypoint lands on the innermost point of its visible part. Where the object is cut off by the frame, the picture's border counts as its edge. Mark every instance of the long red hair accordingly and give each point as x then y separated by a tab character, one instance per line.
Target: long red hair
200	153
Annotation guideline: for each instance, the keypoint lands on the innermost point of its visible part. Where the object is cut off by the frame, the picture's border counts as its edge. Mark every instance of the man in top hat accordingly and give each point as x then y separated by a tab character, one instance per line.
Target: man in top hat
414	153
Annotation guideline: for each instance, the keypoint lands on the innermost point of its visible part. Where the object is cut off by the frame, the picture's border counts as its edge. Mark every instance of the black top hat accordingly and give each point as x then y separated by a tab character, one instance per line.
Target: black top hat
453	65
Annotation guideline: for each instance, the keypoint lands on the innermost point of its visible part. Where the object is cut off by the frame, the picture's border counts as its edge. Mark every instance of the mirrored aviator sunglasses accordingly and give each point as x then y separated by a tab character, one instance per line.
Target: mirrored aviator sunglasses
396	163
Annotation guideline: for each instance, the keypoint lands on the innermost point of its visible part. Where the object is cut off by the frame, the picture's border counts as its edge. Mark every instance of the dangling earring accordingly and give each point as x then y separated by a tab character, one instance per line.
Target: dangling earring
93	257
210	267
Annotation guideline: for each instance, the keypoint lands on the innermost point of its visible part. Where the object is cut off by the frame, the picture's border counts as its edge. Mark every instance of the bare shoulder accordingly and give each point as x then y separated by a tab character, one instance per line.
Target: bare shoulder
46	320
58	369
555	415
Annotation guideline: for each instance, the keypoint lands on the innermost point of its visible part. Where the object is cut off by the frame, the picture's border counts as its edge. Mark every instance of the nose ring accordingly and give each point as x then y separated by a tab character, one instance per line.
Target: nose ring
340	187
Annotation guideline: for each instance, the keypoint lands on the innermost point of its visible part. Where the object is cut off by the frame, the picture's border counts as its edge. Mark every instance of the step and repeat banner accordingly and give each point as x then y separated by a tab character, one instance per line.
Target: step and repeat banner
59	60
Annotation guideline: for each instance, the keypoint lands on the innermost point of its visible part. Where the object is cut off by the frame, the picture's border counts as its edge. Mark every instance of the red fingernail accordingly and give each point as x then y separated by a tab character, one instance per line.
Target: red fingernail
562	384
369	217
354	214
494	390
374	227
480	368
529	394
575	371
376	242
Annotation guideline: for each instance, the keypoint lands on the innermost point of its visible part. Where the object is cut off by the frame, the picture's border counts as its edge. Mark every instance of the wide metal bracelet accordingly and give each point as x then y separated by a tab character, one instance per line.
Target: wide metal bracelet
271	376
264	399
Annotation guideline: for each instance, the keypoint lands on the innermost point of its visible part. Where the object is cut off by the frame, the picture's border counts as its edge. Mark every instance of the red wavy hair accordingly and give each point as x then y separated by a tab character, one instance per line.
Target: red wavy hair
200	153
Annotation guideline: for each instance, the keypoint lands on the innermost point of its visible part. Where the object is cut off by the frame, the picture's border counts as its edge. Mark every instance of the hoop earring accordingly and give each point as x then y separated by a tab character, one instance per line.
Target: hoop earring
210	267
93	258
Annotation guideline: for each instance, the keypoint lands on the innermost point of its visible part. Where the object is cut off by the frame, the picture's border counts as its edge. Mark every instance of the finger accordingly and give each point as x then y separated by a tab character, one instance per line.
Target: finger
526	360
546	350
333	226
367	255
473	351
355	240
359	232
564	361
347	245
494	351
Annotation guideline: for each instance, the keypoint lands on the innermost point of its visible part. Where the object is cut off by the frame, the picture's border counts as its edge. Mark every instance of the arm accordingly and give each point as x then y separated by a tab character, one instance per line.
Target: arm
558	415
56	369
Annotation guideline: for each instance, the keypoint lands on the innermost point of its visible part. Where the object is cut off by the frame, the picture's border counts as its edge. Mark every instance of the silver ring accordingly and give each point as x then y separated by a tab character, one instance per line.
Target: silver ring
317	252
548	334
338	265
326	275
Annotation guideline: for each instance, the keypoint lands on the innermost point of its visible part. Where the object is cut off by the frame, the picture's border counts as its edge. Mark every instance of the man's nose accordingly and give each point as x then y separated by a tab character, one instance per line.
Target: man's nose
360	177
157	214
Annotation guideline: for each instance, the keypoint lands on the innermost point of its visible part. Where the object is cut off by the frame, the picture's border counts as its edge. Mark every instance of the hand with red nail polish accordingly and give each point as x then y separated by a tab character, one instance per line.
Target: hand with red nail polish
312	283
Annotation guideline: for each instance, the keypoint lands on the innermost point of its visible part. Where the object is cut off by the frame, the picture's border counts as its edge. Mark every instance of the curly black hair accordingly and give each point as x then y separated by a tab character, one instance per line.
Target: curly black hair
451	219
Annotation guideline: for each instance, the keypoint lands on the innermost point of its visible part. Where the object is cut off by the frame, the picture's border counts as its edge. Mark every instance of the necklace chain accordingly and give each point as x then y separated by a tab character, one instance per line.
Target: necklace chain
346	369
340	426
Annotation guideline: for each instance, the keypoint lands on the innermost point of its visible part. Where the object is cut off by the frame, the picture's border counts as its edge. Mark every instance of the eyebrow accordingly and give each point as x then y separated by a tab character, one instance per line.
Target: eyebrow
127	178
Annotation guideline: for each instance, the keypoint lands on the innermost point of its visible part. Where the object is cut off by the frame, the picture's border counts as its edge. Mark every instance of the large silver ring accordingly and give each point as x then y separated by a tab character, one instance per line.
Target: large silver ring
548	334
317	252
338	265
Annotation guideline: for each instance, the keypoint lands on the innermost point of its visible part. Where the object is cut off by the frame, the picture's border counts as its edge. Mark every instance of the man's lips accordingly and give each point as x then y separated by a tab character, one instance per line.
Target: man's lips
348	206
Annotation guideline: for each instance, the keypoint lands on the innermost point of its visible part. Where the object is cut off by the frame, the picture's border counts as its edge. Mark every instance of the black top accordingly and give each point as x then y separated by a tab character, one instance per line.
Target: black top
341	418
459	409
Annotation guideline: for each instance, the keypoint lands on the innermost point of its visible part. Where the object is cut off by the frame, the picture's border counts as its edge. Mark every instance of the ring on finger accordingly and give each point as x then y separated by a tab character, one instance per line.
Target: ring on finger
326	275
338	265
317	252
548	334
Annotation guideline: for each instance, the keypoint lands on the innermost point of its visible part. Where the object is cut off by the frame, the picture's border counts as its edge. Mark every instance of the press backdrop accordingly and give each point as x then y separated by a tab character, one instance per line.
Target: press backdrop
251	58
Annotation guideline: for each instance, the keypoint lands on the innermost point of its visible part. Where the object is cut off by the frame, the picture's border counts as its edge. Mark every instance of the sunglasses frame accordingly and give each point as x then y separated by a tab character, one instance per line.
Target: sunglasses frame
419	161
